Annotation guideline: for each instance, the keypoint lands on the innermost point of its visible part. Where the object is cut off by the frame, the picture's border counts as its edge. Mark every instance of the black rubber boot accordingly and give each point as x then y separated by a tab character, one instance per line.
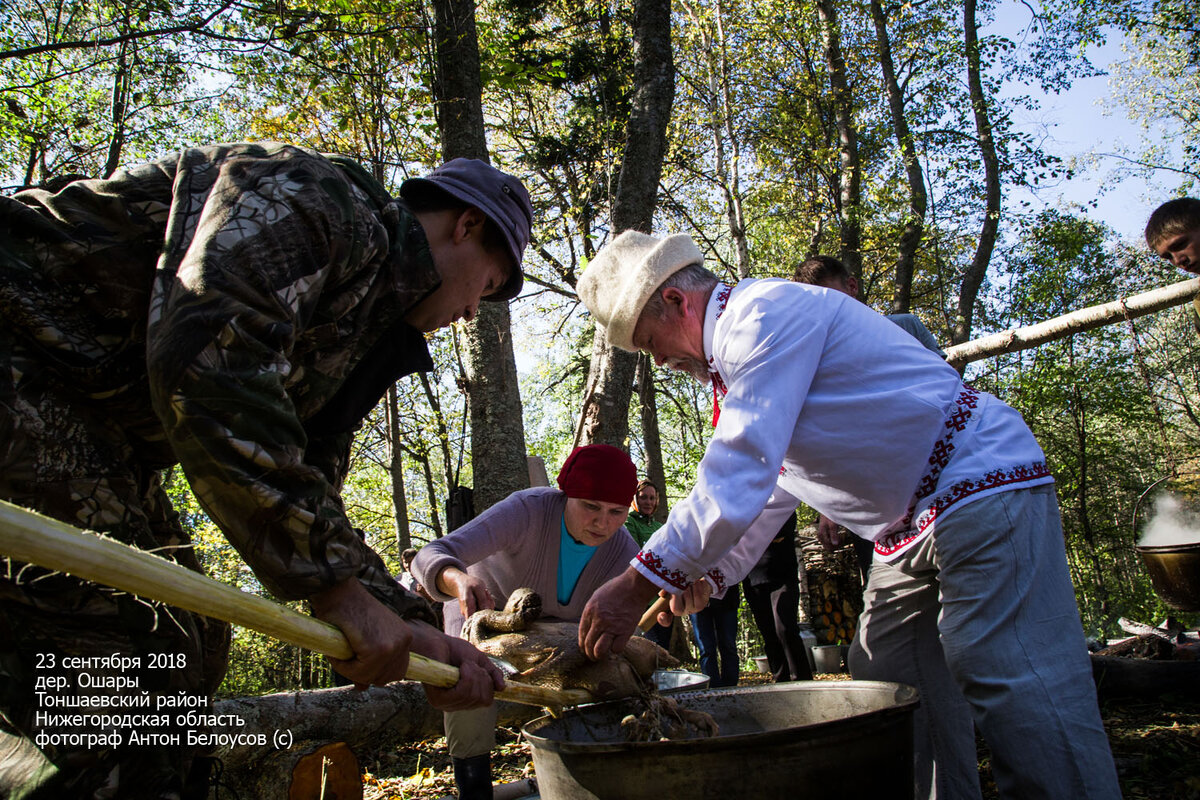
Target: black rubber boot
473	777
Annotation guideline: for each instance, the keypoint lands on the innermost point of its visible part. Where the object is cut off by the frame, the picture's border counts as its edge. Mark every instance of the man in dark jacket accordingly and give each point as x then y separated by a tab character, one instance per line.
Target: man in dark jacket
236	310
772	591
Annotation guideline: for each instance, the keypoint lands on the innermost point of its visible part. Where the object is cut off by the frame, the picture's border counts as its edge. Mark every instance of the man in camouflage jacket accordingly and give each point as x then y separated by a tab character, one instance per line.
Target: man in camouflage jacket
237	310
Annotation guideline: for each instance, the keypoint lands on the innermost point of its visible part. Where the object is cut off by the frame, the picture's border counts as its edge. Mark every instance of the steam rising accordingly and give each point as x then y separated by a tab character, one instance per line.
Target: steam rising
1171	524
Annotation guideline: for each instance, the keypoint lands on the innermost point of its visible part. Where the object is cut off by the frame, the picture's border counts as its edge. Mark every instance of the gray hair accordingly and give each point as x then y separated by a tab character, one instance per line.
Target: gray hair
692	278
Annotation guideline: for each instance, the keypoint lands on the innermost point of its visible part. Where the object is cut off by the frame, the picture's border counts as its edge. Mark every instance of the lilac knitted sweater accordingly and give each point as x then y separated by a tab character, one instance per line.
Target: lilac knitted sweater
514	544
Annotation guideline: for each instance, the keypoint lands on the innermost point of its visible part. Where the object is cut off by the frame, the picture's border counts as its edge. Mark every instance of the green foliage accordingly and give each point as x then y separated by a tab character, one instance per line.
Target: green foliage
86	108
1158	85
1095	403
344	76
1114	409
257	663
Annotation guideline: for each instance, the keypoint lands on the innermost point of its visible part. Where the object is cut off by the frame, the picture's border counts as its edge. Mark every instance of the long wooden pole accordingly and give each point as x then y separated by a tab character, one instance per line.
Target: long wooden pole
37	539
1084	319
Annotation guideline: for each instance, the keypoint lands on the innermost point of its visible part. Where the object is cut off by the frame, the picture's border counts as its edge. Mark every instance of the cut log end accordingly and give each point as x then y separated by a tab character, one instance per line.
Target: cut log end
328	773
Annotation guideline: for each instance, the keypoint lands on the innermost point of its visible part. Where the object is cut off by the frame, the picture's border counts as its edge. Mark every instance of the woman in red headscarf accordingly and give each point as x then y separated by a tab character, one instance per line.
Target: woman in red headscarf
562	543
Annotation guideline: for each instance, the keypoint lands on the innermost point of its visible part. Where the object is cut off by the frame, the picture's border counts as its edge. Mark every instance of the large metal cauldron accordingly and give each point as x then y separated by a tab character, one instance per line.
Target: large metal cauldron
1174	568
781	740
1174	573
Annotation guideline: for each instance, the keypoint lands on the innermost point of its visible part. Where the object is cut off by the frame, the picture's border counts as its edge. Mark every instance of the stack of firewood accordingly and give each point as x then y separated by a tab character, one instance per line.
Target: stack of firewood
834	593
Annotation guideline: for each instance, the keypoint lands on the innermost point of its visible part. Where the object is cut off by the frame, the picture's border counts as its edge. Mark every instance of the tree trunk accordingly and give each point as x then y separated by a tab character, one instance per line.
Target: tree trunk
449	474
850	168
1083	513
918	199
721	116
457	86
651	439
396	471
605	415
973	278
118	108
1140	677
497	425
398	712
497	428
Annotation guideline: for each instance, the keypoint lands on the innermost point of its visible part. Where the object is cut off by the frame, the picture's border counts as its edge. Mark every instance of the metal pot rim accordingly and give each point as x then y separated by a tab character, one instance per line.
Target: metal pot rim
906	700
1157	549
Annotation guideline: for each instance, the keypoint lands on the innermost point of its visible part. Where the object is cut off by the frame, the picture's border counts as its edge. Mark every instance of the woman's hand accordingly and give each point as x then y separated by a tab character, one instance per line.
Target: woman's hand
471	591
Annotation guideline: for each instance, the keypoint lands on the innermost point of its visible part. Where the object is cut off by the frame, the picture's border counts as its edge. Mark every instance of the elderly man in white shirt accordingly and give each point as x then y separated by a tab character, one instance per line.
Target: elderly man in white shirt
820	400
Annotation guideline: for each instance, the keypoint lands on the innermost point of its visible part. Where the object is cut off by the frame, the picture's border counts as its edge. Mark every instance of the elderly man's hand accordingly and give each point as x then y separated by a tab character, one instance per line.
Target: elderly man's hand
694	598
613	612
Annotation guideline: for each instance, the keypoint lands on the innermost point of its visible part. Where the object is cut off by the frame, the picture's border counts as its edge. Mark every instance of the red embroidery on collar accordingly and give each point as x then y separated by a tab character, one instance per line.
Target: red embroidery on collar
718	382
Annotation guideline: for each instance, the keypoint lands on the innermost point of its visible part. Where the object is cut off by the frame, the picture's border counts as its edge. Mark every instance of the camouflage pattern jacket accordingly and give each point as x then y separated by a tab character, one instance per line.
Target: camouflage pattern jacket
240	308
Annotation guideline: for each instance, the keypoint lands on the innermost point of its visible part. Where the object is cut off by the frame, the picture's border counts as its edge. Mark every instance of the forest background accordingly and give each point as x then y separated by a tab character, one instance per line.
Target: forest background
902	137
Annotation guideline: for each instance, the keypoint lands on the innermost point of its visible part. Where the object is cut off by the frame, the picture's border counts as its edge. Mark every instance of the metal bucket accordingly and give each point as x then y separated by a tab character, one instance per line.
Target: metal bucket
779	740
829	658
670	681
1174	573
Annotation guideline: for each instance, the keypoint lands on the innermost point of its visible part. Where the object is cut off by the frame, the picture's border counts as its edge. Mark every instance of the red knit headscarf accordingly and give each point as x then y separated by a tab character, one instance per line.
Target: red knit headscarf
599	472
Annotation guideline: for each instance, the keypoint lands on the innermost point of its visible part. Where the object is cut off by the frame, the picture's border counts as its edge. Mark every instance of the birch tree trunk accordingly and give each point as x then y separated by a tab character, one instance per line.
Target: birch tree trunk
918	199
605	415
721	115
1016	339
973	279
497	428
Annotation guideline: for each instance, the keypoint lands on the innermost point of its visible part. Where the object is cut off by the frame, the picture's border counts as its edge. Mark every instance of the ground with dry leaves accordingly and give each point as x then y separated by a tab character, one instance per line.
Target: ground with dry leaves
1156	746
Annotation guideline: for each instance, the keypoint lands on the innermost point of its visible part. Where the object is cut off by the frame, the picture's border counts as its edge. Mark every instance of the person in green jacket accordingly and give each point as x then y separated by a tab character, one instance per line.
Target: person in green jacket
641	522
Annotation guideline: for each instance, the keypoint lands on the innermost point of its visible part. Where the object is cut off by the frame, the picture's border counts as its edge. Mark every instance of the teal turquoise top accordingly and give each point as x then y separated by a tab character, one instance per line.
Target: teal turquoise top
572	558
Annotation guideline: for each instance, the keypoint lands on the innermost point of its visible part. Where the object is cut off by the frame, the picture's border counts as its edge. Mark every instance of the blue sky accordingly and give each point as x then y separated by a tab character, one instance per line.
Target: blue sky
1084	121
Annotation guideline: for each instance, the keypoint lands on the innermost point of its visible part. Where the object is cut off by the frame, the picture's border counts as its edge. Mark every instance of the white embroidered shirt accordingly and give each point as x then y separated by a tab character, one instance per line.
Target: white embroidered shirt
828	403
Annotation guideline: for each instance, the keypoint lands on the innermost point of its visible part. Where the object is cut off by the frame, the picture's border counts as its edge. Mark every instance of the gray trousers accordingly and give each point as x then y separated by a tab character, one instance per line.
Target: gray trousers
981	618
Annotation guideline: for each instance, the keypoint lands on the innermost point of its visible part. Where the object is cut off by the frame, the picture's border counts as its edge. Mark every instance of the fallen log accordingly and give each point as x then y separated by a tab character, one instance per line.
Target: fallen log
303	722
1116	676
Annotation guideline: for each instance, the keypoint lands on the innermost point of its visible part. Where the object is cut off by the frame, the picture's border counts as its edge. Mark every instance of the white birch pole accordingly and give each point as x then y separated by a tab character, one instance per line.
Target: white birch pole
1085	319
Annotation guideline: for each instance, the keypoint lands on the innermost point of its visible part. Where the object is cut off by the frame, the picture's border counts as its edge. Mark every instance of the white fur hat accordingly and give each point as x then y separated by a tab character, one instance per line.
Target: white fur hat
620	279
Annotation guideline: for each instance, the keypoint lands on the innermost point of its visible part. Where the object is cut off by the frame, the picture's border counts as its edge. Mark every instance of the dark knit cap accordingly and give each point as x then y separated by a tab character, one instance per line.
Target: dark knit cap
599	472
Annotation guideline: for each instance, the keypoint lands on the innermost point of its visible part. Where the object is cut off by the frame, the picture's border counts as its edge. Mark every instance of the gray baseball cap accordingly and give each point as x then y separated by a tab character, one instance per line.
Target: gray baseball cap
497	194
